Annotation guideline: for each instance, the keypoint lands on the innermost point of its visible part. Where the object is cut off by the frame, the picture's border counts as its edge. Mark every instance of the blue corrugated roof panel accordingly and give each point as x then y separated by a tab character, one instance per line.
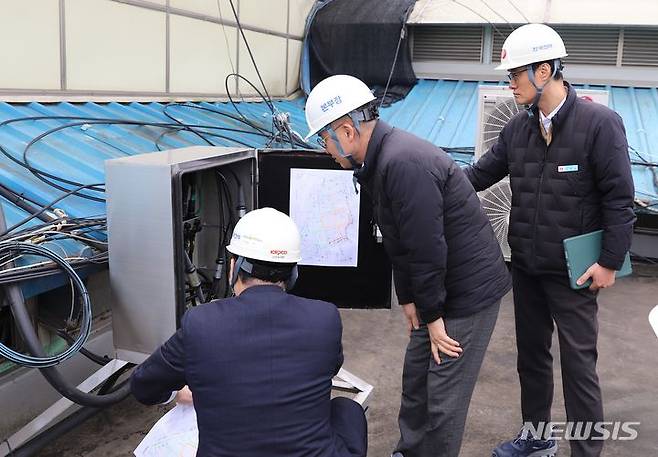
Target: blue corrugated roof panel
78	153
441	111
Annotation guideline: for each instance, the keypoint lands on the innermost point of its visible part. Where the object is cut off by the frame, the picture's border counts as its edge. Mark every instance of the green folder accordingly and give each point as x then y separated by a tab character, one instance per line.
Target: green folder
582	252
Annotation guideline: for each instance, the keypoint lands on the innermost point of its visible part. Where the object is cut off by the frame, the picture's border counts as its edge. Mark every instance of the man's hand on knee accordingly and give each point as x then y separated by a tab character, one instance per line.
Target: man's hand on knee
440	341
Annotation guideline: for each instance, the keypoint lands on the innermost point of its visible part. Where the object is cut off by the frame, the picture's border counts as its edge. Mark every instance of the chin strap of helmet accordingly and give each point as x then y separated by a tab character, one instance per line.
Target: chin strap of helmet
367	113
240	264
294	274
341	151
557	65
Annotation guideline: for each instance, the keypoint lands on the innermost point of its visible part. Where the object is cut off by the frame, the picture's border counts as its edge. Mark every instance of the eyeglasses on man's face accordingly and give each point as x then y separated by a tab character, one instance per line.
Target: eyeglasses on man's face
321	140
326	133
515	75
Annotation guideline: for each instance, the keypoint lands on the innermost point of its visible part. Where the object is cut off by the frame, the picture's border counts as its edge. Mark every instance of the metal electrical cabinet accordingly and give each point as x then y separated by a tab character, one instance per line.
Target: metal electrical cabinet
145	228
146	223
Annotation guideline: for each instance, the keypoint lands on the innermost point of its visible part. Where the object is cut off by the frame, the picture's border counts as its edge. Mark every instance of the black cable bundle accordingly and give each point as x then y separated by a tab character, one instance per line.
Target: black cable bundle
24	323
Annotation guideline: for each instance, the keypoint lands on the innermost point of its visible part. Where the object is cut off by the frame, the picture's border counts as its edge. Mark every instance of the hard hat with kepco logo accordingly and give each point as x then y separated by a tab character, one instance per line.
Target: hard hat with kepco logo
529	44
268	235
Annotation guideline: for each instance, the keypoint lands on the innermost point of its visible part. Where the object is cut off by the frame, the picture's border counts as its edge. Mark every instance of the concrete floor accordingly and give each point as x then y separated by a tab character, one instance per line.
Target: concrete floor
374	343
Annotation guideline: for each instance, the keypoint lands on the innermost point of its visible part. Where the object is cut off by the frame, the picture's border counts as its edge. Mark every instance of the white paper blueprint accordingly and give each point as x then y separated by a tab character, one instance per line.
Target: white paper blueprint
174	435
325	207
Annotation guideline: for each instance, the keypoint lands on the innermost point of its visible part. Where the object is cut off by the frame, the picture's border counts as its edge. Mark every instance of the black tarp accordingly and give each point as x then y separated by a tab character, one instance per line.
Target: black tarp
360	38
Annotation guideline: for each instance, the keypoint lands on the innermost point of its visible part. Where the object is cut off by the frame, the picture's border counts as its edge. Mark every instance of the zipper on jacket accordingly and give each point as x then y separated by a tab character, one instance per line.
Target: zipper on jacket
537	201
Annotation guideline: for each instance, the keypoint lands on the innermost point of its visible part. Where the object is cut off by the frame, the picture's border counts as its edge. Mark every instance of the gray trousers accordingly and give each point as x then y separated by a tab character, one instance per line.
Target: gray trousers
435	398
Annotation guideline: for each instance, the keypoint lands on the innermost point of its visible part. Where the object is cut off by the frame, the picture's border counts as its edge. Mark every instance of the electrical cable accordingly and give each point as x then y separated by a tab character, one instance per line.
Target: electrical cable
37	173
62	225
20	201
4	231
189	129
52	375
41	173
241	206
244	38
193	279
48	178
45	271
218	274
100	360
403	33
23	321
482	17
221	21
519	11
52	179
41	361
20	196
253	124
230	98
497	14
256	131
227	207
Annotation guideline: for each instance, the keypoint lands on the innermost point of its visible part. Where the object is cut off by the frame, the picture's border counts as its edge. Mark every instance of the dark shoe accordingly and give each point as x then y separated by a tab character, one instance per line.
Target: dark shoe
526	447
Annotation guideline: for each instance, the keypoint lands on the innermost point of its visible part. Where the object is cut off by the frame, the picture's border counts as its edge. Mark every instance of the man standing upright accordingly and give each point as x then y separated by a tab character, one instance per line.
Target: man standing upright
448	269
570	174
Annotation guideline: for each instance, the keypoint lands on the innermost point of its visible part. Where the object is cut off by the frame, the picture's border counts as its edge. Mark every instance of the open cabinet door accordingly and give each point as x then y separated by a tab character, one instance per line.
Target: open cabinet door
342	261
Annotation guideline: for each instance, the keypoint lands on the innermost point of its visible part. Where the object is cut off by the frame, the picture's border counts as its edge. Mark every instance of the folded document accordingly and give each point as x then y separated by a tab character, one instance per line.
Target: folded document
175	434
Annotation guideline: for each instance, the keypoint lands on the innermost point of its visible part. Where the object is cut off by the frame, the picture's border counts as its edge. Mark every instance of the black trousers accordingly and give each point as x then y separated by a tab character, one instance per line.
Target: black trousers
539	303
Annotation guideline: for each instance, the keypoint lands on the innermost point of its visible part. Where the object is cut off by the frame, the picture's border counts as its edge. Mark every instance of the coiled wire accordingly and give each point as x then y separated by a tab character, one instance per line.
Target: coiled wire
13	248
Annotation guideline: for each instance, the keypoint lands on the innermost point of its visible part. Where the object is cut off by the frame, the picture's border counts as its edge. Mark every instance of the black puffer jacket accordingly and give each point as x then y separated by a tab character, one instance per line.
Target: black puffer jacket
580	183
444	254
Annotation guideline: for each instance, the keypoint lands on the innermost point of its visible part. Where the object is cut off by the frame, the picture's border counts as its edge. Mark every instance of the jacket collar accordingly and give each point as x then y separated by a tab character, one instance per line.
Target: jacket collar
261	289
379	133
563	112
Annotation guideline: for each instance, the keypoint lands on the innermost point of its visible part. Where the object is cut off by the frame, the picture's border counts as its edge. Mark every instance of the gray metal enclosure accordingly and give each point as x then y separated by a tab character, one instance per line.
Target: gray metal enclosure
145	230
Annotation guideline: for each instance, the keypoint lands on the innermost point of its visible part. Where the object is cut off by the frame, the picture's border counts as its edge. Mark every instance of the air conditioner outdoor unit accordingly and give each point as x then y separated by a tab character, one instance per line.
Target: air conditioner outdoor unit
496	106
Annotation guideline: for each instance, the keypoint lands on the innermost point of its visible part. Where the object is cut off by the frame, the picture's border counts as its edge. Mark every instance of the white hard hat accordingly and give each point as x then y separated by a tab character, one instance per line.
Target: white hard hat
531	43
333	98
268	235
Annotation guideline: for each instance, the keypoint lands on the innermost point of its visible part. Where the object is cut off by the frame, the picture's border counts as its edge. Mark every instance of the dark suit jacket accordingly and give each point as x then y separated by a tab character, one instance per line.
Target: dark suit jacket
259	367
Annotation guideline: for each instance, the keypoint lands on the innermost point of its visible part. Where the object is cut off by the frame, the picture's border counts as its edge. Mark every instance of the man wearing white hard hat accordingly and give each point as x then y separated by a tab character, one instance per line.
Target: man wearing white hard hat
448	269
259	365
567	159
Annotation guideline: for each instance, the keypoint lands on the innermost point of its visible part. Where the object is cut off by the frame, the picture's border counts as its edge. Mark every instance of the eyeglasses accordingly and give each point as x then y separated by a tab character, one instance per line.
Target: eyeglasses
514	76
331	132
321	141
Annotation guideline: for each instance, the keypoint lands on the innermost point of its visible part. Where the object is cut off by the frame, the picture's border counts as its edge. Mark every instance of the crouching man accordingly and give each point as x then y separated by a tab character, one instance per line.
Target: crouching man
259	365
